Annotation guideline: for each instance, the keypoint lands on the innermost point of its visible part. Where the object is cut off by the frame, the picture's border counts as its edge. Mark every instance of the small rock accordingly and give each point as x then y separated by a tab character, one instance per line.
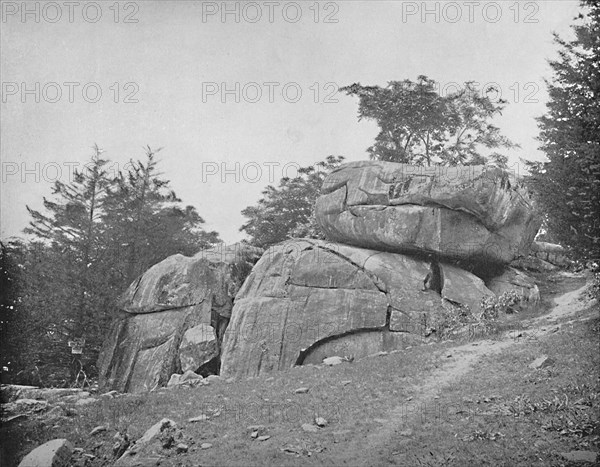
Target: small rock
110	394
254	435
310	428
182	447
155	430
541	362
87	401
98	429
335	360
301	390
580	456
255	428
205	446
263	438
56	412
407	432
199	418
213	378
345	383
55	453
320	421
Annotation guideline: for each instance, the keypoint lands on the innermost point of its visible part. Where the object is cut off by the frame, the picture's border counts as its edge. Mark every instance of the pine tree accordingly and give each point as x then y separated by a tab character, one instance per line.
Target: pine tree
147	223
568	184
73	231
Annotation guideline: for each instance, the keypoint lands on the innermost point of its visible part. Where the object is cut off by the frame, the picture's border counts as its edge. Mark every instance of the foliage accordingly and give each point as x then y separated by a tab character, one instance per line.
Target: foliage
420	126
568	184
96	235
493	306
457	318
287	211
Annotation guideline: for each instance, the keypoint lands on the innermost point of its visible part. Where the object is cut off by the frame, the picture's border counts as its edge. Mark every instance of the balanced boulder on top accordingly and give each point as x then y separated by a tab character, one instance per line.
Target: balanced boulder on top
475	213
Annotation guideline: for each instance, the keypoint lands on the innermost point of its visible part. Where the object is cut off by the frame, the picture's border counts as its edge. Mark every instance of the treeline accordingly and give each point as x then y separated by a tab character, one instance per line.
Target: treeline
96	235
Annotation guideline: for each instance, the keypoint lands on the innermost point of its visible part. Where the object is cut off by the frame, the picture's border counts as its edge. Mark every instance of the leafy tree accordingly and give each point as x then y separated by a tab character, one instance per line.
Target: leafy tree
288	210
568	184
419	126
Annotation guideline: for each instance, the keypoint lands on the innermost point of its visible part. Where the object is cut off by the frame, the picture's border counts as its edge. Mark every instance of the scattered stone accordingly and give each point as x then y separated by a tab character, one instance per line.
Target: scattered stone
255	428
109	394
320	421
182	448
310	428
345	383
407	432
213	378
121	444
580	456
254	435
18	416
205	446
263	438
541	362
155	430
301	390
199	418
54	453
87	401
330	361
189	378
98	429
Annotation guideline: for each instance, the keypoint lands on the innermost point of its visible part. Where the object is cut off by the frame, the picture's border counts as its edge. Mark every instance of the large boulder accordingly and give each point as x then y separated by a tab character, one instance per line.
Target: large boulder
474	213
164	319
306	300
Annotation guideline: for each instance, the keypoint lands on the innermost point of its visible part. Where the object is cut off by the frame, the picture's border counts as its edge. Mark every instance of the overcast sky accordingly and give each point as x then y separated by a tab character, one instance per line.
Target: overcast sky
240	99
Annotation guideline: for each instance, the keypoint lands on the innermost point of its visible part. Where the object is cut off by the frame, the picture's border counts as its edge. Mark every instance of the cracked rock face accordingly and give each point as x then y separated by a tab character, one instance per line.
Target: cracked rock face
309	299
167	319
475	213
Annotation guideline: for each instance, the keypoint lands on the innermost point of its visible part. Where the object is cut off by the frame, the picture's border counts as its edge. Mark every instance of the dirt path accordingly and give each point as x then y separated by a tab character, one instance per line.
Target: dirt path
460	361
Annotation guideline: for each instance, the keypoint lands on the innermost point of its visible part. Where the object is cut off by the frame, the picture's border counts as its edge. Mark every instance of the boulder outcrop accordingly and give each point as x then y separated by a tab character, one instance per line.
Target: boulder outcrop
473	213
165	316
309	299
